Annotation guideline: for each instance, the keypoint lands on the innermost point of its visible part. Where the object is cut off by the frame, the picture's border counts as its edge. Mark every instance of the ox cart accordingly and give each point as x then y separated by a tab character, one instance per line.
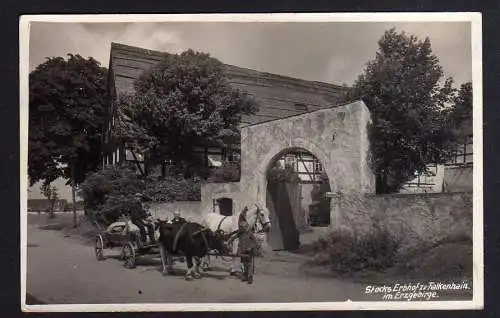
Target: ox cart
120	235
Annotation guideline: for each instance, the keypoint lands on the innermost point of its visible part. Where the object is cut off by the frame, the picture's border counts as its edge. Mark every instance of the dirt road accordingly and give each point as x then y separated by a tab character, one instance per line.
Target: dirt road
63	270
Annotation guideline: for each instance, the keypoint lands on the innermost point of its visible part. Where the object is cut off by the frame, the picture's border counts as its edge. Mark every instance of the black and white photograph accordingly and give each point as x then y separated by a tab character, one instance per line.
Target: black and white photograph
219	162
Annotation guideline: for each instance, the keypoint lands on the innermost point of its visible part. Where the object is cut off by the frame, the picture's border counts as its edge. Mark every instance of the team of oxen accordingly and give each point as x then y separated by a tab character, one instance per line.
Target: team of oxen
234	236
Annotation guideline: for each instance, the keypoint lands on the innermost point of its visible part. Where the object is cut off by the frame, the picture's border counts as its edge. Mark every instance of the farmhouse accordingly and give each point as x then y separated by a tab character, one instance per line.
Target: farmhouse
303	124
299	123
453	176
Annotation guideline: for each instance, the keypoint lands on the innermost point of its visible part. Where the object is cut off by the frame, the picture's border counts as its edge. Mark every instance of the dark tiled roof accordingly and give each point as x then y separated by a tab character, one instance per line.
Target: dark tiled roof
277	96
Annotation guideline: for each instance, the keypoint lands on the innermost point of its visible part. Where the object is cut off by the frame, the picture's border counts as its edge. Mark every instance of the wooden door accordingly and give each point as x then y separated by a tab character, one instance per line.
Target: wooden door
283	202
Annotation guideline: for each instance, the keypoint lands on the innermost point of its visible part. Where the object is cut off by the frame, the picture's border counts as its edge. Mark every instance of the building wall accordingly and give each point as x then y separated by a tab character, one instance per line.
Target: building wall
306	199
64	190
191	210
415	219
426	183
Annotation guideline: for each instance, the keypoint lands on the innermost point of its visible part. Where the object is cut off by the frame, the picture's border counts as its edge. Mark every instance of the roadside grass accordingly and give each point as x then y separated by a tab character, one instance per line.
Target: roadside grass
63	222
375	258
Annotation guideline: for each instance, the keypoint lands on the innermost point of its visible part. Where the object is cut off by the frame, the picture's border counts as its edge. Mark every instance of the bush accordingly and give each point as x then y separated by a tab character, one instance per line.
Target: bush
108	193
229	172
279	174
173	189
350	252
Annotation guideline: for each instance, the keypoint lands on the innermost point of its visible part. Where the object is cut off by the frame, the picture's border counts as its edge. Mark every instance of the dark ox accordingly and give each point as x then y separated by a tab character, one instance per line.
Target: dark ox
190	240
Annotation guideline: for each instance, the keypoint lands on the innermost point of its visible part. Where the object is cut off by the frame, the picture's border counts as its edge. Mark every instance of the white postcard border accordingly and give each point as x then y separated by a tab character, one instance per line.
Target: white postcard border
478	266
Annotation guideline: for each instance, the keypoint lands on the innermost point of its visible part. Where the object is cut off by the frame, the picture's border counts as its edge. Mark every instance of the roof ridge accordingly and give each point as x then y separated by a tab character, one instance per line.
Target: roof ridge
142	50
136	48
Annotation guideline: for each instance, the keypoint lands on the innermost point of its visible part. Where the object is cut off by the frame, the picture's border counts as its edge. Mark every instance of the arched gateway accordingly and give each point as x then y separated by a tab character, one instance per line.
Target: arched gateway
337	137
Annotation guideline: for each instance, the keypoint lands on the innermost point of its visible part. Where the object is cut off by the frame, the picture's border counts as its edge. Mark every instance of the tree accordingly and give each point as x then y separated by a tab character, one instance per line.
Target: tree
66	114
51	193
404	89
182	102
460	115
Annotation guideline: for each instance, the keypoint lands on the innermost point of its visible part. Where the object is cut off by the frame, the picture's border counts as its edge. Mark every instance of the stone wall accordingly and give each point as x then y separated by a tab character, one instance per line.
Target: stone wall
414	219
191	210
214	191
458	178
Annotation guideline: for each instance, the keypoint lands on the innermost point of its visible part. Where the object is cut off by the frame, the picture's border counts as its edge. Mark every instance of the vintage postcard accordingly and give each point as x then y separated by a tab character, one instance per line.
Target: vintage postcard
219	162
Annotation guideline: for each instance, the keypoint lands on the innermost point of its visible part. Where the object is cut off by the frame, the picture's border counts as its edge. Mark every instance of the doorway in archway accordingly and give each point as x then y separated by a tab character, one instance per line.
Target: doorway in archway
296	184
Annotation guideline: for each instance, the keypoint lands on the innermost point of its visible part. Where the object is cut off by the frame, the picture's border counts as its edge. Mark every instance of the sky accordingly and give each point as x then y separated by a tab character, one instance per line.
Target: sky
332	52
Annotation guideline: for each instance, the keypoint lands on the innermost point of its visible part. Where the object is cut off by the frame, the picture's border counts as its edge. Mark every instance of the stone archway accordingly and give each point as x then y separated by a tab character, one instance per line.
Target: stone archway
337	137
293	179
277	151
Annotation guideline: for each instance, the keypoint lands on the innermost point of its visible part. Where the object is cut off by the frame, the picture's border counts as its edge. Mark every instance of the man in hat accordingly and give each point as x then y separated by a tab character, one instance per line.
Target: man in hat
139	216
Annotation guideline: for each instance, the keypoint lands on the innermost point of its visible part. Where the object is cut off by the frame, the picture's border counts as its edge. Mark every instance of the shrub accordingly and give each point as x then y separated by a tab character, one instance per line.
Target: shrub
108	193
349	252
173	189
228	172
282	174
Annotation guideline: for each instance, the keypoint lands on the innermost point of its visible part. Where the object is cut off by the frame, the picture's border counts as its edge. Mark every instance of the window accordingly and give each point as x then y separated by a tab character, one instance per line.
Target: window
318	167
214	160
129	155
225	206
231	155
300	106
463	154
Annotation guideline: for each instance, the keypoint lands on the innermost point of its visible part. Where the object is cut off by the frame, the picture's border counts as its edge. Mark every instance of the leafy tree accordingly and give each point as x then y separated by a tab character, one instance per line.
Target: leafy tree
51	193
66	113
404	89
182	102
460	115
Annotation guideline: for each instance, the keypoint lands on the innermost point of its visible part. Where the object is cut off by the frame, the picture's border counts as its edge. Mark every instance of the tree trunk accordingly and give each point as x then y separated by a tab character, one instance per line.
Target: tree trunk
51	209
73	195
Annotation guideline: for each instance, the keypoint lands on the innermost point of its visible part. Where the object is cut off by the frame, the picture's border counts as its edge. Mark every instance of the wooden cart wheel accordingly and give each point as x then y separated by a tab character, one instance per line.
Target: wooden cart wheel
99	247
128	254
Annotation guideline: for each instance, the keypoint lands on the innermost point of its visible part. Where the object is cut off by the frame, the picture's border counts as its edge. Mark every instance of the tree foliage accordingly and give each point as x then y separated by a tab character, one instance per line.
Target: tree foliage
460	115
50	192
228	172
66	112
287	174
182	102
406	92
110	192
